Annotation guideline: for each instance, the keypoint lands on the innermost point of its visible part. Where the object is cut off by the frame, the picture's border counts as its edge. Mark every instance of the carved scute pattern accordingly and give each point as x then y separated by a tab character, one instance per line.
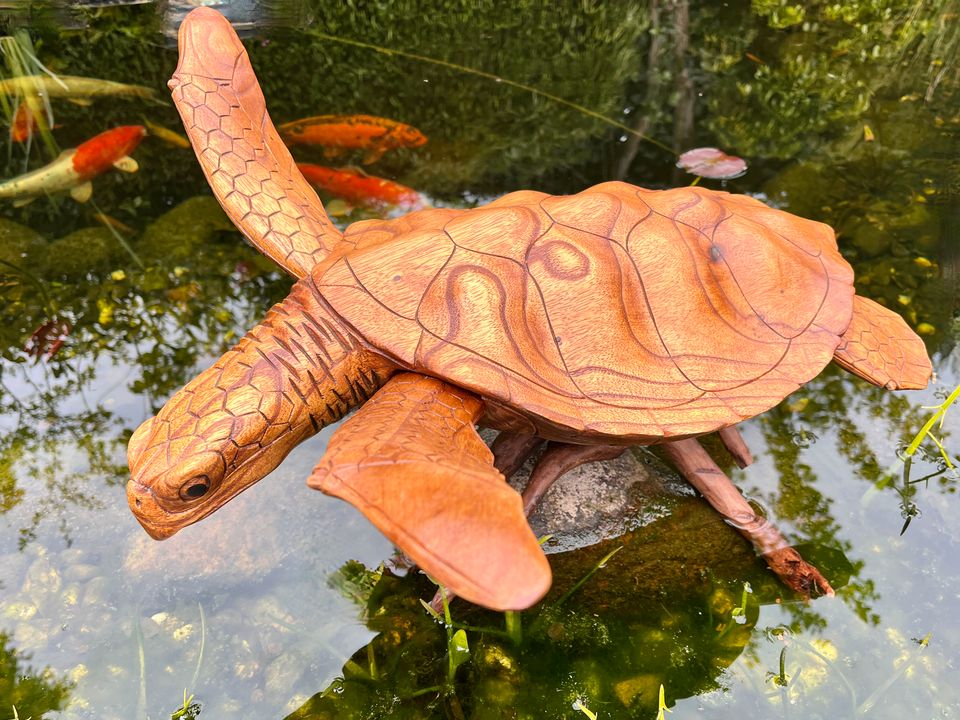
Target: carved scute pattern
246	163
297	371
411	460
882	349
619	313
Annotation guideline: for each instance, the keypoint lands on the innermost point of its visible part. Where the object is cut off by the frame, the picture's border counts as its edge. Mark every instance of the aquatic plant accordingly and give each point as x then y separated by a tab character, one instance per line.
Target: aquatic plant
580	705
925	432
780	678
20	60
906	488
188	711
661	704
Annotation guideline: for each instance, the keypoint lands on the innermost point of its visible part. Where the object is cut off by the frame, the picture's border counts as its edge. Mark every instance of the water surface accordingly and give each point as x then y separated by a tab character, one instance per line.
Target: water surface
848	114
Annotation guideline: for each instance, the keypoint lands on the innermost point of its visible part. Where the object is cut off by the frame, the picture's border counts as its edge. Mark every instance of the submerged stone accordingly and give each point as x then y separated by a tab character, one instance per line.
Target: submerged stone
802	188
20	247
174	236
89	250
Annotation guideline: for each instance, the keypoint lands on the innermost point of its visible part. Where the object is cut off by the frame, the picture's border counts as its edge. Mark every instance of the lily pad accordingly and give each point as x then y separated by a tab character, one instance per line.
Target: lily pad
712	163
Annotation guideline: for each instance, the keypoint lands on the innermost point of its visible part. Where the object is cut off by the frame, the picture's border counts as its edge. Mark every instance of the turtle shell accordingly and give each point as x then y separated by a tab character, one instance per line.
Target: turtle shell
617	314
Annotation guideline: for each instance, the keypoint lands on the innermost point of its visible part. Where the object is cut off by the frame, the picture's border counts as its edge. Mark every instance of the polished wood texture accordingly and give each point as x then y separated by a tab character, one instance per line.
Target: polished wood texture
700	470
882	349
297	371
246	163
615	316
440	497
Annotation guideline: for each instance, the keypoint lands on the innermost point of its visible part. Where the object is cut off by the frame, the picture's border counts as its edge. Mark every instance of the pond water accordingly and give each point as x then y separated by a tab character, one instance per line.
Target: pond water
274	606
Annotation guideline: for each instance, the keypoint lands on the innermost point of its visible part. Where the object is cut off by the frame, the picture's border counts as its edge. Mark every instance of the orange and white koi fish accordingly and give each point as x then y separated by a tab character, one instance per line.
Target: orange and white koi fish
74	169
337	133
78	89
359	188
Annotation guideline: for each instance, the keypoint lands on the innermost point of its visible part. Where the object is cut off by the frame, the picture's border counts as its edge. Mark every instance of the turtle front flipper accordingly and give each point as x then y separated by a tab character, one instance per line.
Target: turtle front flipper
411	460
245	161
882	349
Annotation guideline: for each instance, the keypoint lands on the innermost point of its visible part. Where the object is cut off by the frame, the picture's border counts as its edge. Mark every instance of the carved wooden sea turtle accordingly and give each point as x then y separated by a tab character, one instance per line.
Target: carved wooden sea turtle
613	317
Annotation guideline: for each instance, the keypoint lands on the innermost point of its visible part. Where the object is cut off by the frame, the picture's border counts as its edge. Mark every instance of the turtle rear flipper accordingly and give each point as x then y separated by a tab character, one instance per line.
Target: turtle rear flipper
882	349
245	161
411	460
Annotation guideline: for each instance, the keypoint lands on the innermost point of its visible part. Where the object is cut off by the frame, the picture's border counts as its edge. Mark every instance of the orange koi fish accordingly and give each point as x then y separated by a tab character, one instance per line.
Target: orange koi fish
359	188
337	133
74	169
24	124
29	118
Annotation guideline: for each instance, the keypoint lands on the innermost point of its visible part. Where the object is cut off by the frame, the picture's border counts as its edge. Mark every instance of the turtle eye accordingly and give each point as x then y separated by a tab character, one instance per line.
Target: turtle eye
195	488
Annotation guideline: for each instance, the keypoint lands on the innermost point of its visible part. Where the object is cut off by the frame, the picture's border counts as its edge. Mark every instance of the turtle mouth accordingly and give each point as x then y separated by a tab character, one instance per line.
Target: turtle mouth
159	521
184	502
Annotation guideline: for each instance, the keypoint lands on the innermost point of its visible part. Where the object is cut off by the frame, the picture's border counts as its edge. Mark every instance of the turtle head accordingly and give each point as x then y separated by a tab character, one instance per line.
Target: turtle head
208	444
294	373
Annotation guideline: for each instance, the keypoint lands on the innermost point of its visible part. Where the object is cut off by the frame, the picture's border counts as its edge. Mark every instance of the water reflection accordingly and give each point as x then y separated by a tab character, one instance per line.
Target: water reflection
28	692
98	326
611	641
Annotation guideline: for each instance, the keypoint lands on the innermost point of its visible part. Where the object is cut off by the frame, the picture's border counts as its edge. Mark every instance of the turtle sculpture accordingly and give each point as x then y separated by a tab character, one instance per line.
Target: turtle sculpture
615	317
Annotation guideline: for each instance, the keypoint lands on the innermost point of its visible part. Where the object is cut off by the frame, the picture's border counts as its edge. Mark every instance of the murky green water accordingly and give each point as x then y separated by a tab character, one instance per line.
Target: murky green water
847	113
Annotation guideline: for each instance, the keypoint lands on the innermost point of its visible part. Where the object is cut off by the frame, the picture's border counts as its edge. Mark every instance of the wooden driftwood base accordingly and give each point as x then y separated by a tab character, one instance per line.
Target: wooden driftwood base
511	450
699	469
689	457
733	441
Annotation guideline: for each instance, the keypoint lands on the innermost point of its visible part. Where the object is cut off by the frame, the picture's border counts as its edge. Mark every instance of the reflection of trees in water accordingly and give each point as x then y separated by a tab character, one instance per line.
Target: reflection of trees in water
26	692
62	438
828	410
654	615
814	69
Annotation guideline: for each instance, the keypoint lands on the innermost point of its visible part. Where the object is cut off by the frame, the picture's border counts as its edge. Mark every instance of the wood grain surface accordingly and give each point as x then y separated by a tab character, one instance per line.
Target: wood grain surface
617	314
880	347
297	371
246	163
700	470
411	460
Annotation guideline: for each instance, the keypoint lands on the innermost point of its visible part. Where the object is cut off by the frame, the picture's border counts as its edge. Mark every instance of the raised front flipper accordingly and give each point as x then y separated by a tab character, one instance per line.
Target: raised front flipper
411	460
247	165
882	349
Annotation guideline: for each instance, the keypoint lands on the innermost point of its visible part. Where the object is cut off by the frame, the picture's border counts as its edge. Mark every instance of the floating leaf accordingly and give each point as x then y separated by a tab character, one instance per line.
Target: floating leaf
47	339
712	163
